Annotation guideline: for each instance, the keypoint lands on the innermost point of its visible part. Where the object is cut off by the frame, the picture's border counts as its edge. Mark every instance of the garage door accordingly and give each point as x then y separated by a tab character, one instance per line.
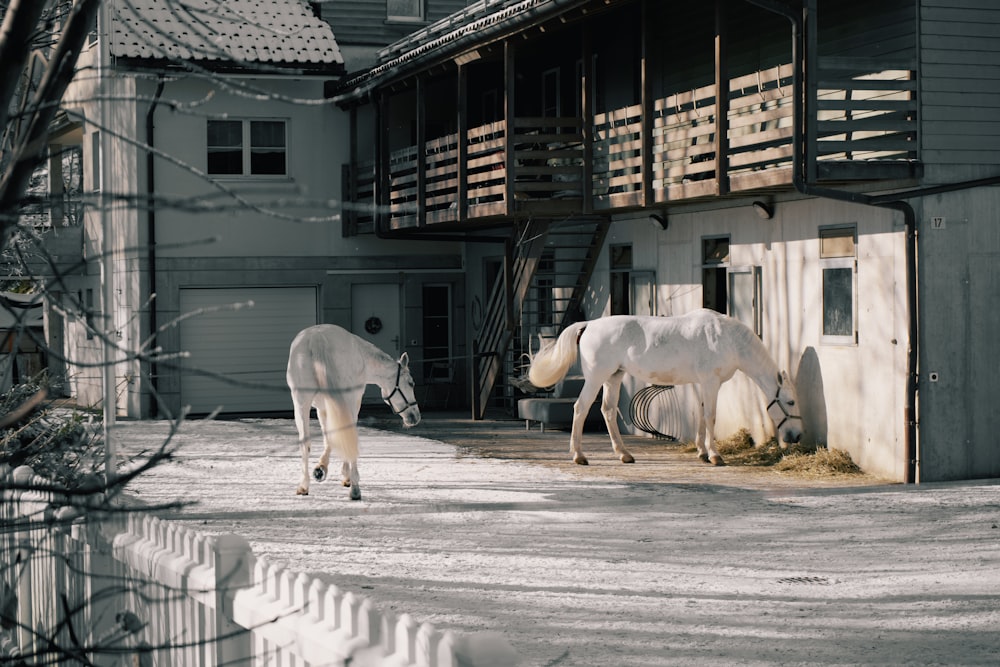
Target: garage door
238	356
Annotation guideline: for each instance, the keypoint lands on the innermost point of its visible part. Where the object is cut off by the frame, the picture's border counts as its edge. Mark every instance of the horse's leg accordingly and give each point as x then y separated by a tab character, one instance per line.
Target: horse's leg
710	399
699	438
349	447
323	465
342	430
301	406
580	410
609	408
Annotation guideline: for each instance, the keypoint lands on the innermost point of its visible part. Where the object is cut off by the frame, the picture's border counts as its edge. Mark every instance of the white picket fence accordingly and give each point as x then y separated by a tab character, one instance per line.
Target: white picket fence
135	589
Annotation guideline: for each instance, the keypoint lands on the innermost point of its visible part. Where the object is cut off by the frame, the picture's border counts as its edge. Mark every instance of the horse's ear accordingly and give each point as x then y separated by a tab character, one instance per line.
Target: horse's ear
781	379
404	360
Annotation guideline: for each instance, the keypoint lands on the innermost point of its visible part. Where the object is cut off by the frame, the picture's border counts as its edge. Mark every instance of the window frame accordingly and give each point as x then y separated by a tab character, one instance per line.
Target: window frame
838	262
642	292
754	274
713	267
247	148
419	17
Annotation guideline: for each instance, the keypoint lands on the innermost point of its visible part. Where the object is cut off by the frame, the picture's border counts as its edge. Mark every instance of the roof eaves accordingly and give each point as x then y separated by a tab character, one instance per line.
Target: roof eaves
477	30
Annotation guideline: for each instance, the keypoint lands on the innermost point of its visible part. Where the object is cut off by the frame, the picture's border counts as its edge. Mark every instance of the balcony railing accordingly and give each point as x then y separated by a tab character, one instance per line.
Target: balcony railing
863	116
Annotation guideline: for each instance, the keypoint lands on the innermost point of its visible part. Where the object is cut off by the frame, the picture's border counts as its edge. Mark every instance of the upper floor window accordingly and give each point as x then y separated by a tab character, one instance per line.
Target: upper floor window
247	148
404	10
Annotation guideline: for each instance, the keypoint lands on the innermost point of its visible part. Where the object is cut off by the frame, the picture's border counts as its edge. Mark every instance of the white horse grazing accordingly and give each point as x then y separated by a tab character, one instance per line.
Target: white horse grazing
329	368
702	347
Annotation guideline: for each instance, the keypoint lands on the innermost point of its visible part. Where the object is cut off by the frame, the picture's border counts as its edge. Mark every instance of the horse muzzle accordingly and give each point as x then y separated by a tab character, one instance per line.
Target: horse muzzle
410	416
791	436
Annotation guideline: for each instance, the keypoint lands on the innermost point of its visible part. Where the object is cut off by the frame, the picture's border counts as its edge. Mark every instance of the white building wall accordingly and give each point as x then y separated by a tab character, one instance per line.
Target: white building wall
851	396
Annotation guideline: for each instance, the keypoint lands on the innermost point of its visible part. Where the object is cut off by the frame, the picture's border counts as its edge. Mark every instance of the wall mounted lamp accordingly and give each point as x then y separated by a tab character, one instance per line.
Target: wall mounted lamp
659	221
763	211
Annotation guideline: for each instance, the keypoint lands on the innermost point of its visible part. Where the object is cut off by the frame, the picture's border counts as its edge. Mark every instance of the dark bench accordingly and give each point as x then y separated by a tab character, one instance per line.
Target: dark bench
556	411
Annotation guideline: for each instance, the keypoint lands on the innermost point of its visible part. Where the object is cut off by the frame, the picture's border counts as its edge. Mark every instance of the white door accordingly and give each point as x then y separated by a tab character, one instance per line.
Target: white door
375	317
238	355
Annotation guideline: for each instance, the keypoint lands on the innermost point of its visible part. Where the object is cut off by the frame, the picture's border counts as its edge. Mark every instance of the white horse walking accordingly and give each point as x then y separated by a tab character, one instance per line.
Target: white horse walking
702	347
329	368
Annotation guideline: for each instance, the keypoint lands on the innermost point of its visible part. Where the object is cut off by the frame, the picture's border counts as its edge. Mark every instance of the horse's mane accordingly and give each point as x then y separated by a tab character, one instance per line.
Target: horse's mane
375	351
758	358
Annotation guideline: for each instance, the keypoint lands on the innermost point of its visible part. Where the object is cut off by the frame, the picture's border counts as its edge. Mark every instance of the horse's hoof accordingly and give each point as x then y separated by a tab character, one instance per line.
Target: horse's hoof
355	493
301	491
580	459
716	460
703	457
345	482
627	458
319	473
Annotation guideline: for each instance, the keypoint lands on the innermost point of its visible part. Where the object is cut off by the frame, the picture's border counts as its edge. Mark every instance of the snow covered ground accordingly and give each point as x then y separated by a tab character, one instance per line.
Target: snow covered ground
576	567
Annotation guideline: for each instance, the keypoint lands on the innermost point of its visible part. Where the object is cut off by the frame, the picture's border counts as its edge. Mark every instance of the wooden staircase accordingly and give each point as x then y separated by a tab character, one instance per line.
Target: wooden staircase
548	266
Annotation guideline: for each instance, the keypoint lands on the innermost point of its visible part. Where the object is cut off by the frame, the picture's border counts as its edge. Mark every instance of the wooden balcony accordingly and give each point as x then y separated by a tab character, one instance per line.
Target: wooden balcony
861	125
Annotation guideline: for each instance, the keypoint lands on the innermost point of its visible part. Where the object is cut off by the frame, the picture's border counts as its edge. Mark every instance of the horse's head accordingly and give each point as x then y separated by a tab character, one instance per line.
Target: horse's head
400	397
784	410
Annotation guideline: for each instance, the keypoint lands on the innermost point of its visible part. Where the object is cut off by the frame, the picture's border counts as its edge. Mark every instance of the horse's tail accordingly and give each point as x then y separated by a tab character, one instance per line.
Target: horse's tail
339	423
550	364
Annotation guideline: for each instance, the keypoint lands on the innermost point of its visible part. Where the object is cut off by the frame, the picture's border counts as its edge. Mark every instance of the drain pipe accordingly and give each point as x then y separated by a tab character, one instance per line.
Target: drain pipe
151	239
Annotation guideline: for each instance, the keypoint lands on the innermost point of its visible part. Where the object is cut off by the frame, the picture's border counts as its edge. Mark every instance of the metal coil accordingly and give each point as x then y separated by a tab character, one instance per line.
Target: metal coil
661	402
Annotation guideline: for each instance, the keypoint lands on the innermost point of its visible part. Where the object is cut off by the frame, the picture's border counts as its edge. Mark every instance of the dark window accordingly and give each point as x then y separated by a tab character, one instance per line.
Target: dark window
544	282
405	9
714	281
838	302
239	147
95	162
267	147
225	147
436	328
621	284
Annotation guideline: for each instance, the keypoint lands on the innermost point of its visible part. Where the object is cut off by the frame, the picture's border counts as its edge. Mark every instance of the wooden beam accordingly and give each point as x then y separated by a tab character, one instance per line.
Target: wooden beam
380	201
721	101
812	68
646	100
508	105
587	118
349	224
421	121
463	143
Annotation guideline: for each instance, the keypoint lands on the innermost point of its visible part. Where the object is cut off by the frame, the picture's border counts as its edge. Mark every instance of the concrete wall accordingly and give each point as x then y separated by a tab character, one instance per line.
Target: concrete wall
959	256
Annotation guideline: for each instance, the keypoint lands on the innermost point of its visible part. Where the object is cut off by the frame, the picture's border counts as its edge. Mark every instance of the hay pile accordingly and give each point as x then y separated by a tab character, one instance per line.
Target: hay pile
740	450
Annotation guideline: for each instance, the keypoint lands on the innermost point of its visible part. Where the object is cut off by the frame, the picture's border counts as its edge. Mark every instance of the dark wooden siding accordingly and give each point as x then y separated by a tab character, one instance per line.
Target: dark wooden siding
960	78
363	22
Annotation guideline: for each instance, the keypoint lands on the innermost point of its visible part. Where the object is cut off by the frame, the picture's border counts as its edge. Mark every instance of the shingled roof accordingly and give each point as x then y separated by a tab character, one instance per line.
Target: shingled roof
225	33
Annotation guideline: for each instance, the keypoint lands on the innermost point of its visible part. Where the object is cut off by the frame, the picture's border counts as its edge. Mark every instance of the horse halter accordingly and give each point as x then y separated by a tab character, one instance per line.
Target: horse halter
397	390
781	406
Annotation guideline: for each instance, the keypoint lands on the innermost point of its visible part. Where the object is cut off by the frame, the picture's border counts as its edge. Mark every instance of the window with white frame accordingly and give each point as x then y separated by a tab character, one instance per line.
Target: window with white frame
839	266
247	147
744	296
404	10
